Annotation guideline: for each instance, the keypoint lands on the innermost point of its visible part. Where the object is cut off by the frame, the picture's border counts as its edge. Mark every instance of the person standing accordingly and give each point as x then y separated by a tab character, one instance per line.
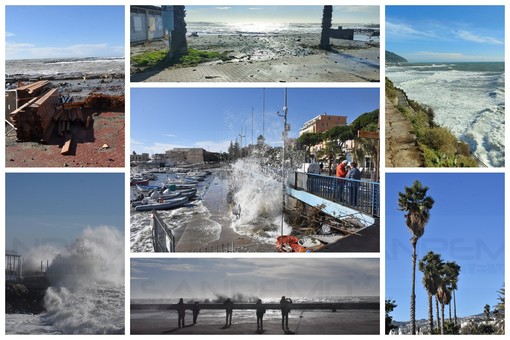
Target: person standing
229	307
196	310
285	304
355	175
181	313
341	172
261	310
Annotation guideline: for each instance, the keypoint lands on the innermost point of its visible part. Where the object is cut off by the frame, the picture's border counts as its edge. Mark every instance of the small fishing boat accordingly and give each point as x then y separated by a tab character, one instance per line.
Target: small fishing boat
162	204
139	181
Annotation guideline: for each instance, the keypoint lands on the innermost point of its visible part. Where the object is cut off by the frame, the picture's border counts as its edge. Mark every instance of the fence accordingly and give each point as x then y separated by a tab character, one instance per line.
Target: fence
361	195
163	239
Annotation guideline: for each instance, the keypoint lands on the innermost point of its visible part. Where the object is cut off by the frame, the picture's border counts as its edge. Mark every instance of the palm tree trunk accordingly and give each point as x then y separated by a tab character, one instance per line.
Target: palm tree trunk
442	318
450	312
178	43
431	314
414	240
454	309
327	15
437	314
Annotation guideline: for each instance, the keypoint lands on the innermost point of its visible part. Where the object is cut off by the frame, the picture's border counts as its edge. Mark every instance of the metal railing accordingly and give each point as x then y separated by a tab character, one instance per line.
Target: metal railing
163	239
361	195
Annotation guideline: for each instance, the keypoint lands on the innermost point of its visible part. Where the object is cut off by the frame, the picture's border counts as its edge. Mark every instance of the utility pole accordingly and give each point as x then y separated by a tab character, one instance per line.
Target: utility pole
284	138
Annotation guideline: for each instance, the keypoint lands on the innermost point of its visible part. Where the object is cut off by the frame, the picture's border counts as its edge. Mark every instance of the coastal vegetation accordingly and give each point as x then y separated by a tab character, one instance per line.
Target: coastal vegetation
334	140
439	146
193	57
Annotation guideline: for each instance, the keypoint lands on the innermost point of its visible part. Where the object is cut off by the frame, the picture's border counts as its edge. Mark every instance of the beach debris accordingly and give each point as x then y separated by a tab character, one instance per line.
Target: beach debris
211	77
66	149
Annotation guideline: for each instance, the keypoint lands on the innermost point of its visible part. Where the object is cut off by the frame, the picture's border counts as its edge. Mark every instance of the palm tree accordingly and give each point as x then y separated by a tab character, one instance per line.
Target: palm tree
444	296
499	312
452	272
330	151
327	15
417	204
431	265
487	311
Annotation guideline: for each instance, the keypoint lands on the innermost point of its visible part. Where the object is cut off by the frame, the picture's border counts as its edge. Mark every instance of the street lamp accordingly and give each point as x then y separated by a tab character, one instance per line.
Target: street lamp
284	137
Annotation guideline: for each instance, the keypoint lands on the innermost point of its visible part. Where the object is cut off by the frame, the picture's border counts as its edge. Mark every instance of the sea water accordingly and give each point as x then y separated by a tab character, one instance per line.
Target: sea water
256	192
362	32
467	98
86	293
64	68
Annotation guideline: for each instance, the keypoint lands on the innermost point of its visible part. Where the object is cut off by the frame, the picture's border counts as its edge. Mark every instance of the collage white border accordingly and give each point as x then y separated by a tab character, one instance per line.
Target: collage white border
125	170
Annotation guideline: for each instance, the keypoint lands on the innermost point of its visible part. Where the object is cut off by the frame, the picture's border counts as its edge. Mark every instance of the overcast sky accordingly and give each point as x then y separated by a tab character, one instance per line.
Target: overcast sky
261	277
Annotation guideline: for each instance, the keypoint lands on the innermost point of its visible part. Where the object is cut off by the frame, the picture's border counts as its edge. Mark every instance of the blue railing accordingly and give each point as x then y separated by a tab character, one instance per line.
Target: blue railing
363	196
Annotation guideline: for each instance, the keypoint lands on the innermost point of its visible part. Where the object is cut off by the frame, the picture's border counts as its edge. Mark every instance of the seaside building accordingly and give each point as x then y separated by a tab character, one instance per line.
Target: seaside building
322	123
146	23
139	158
185	155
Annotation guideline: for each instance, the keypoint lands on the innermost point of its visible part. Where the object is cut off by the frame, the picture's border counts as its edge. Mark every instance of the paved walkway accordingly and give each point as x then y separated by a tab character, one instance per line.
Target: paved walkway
312	68
401	147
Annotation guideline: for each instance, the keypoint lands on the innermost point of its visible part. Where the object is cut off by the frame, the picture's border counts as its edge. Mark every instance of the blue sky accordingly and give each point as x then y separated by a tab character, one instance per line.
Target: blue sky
262	277
466	226
446	33
34	32
210	118
281	14
54	208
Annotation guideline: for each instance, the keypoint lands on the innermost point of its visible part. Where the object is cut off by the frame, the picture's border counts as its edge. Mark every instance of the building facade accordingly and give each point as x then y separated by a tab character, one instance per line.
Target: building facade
146	23
322	123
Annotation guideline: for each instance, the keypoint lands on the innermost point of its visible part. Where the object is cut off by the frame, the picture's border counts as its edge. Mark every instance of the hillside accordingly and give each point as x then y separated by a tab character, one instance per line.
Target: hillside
392	58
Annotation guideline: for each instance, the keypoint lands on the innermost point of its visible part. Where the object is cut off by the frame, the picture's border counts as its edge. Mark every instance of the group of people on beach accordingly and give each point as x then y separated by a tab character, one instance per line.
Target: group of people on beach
285	306
348	171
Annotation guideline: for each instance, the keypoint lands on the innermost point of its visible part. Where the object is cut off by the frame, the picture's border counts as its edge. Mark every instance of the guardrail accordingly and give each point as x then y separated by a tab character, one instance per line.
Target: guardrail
163	239
361	195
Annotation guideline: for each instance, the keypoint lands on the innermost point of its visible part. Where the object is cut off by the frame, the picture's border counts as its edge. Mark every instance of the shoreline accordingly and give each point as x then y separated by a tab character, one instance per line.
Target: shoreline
273	57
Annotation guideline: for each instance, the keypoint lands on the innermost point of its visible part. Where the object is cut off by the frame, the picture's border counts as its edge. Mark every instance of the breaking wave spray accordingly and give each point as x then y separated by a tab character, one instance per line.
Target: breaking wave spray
86	293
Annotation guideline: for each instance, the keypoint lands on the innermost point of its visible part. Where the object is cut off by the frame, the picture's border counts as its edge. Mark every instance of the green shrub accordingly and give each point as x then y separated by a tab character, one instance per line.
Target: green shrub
148	59
440	139
195	57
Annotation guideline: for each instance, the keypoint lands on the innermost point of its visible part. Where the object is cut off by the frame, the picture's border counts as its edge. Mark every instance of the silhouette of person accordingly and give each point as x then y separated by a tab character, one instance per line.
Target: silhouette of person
229	306
181	312
261	310
285	307
196	310
355	174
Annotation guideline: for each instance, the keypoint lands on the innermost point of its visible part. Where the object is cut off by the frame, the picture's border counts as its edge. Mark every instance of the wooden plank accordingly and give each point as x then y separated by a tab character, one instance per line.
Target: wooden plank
66	149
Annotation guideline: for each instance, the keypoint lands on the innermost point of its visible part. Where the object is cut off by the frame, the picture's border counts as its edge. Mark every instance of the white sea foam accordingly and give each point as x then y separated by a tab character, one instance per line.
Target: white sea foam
86	293
258	193
468	102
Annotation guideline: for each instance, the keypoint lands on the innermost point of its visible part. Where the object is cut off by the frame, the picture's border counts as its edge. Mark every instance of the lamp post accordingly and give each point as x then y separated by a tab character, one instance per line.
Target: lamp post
284	137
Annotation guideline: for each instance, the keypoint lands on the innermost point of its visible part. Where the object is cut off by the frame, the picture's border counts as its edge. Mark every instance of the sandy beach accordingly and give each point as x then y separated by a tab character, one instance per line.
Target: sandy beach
270	58
307	322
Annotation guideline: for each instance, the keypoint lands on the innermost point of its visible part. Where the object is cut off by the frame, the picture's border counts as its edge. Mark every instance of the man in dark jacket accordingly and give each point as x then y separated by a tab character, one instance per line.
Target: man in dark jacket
285	304
181	312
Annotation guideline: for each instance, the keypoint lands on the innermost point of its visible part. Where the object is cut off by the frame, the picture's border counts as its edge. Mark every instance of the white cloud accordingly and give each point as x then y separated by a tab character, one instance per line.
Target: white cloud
213	146
404	31
468	36
31	51
223	8
9	34
169	135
